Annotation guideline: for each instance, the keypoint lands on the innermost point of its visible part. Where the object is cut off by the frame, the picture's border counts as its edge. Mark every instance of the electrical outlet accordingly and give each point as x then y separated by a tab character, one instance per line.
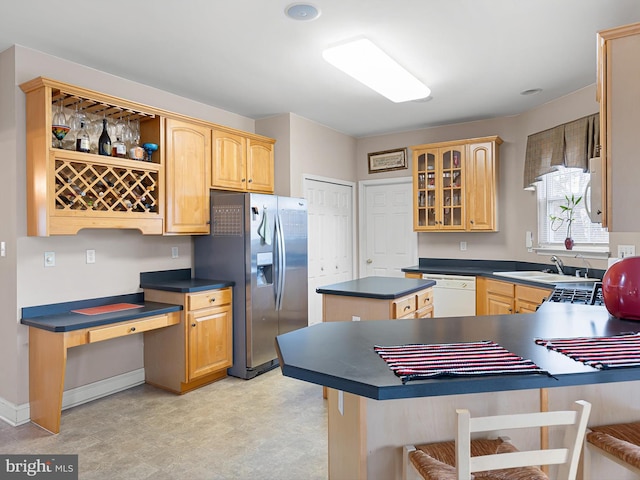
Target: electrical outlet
3	249
49	259
91	256
626	251
463	246
174	252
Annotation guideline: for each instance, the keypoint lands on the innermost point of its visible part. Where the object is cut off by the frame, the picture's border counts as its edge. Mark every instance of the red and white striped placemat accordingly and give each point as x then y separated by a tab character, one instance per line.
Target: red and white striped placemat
615	351
420	361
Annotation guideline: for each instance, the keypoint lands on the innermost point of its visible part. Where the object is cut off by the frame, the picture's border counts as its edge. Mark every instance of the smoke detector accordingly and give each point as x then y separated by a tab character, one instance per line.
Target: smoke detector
302	11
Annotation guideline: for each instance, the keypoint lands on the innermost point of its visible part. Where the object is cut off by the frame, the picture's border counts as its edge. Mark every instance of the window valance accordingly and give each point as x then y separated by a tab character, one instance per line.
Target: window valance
570	144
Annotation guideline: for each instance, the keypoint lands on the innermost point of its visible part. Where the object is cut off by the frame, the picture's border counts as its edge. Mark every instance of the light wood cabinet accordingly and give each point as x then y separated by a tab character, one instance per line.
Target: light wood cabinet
201	350
618	92
69	190
497	297
455	185
188	160
242	163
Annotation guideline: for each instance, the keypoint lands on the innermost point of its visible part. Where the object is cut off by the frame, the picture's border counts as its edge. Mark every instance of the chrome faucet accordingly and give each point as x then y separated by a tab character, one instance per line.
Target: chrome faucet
586	264
559	264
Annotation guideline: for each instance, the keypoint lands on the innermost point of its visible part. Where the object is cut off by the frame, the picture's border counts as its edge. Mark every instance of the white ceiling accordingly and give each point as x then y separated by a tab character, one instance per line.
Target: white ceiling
247	57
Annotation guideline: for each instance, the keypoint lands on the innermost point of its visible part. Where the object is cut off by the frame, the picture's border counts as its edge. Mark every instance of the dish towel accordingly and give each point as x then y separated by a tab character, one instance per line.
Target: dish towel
616	351
263	229
419	361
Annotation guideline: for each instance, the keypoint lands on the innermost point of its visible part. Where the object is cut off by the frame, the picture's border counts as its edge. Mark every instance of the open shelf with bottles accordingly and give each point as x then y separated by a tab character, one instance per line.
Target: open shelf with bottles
68	190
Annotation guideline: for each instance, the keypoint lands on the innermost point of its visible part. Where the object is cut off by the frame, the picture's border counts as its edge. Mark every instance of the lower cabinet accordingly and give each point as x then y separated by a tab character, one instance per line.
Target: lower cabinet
496	297
198	350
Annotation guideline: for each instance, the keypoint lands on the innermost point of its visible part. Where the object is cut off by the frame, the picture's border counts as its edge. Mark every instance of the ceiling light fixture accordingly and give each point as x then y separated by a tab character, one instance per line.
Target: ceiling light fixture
365	62
302	11
531	91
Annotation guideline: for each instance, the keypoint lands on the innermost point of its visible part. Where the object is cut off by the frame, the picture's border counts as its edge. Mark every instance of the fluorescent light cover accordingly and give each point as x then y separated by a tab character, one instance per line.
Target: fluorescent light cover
365	62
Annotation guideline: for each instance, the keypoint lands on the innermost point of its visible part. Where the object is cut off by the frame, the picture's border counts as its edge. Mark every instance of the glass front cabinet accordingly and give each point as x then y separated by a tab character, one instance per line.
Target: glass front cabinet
455	185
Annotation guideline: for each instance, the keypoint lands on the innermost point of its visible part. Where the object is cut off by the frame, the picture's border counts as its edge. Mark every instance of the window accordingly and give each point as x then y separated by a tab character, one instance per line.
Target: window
551	191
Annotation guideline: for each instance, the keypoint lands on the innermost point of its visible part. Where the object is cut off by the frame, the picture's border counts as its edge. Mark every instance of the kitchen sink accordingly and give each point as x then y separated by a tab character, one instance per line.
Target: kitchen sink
544	277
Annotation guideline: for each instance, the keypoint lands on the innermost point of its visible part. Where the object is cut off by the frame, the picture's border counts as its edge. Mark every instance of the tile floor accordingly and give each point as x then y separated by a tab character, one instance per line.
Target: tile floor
268	428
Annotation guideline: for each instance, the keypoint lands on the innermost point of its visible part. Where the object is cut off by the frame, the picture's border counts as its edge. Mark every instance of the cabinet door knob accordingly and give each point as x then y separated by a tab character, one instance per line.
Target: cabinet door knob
250	180
193	324
369	260
133	329
211	300
407	307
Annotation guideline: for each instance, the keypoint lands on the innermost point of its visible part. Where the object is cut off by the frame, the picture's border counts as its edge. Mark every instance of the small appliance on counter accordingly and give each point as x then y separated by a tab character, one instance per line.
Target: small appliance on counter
621	289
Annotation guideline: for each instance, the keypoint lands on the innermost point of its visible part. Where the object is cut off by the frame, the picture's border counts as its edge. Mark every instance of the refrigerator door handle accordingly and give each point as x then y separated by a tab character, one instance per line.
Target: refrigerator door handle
280	261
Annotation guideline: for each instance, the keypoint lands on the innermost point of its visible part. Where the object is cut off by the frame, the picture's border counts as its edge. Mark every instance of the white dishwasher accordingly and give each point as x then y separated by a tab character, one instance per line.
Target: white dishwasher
453	295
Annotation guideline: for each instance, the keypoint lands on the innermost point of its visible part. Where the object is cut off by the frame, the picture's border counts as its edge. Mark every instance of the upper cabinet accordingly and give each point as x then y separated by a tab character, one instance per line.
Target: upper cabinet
188	160
71	190
618	92
68	190
242	162
455	185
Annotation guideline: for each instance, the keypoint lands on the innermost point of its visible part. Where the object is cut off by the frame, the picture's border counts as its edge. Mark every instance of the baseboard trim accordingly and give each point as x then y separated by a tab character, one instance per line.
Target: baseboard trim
19	414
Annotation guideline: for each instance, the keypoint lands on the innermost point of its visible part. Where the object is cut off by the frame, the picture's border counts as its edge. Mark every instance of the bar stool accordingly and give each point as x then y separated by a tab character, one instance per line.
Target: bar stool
618	442
498	458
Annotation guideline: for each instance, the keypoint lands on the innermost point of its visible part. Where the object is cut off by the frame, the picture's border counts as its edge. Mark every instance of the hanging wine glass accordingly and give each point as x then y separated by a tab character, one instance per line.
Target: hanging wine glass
59	126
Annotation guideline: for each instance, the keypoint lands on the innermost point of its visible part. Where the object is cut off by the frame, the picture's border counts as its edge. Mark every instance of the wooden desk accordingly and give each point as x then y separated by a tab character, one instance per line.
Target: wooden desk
51	335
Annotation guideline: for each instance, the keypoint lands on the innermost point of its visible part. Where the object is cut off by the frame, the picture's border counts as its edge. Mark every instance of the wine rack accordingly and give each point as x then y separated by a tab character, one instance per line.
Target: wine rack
95	187
68	190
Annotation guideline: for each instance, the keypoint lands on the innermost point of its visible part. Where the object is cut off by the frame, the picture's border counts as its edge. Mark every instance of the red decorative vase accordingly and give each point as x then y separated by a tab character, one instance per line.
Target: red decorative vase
621	288
568	243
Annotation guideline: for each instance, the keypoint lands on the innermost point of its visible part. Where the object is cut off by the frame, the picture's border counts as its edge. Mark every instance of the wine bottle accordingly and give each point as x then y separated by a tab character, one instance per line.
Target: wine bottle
104	142
82	140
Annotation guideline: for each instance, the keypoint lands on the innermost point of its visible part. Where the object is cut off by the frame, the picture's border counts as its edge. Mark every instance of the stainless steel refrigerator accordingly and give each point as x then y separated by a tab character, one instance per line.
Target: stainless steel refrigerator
260	242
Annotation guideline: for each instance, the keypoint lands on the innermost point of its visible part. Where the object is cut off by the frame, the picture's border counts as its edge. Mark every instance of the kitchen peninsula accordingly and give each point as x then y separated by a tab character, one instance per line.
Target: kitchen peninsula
372	413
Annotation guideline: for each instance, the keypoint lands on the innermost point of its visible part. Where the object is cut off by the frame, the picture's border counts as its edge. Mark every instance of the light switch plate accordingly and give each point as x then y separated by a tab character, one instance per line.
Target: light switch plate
91	256
174	252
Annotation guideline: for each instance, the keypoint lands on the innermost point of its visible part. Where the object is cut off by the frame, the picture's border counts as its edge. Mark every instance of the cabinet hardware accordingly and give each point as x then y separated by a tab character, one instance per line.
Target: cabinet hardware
211	300
407	307
193	324
133	329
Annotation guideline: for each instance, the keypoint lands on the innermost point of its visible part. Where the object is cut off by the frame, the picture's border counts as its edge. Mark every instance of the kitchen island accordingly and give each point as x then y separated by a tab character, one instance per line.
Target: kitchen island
377	298
372	413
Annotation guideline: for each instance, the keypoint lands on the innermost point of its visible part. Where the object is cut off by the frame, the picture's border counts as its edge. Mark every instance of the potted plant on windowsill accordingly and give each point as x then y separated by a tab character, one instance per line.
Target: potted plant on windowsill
566	216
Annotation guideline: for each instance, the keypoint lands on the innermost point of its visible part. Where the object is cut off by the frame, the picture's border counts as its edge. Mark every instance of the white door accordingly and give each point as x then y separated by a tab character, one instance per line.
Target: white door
331	234
387	240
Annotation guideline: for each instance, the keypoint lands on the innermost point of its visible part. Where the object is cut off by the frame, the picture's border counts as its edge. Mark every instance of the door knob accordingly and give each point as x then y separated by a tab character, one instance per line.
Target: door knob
369	260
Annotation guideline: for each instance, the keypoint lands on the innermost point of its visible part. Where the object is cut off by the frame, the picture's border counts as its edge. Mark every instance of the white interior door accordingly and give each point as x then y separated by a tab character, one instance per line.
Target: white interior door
387	240
331	234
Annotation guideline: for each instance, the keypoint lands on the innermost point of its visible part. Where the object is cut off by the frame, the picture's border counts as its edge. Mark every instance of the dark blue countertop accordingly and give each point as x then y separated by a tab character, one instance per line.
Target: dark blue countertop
180	281
377	287
58	317
485	268
340	355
